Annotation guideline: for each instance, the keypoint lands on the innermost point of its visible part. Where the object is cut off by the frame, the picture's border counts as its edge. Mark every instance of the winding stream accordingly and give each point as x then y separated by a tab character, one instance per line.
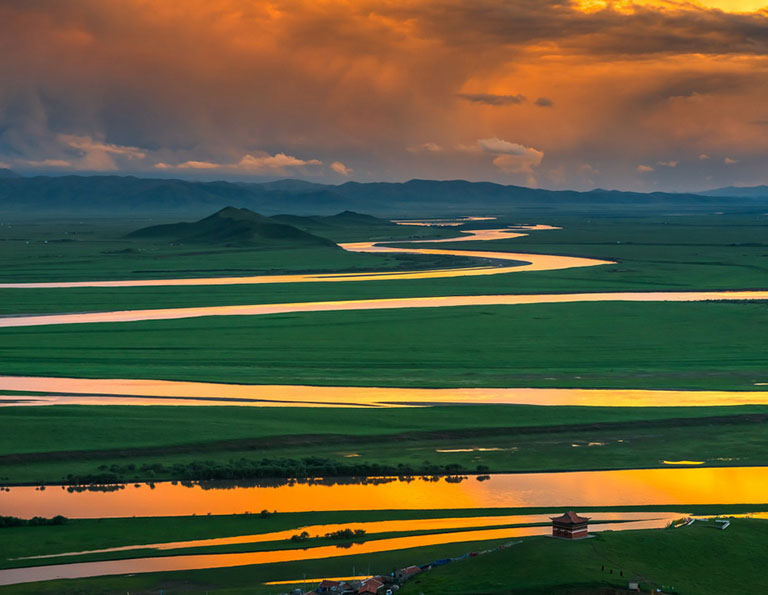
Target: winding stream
121	391
678	486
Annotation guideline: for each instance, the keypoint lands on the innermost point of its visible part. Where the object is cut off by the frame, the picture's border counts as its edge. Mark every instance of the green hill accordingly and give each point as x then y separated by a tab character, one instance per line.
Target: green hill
343	219
353	218
234	227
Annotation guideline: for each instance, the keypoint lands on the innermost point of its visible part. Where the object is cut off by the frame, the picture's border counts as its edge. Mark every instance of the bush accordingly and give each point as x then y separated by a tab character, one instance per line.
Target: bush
12	521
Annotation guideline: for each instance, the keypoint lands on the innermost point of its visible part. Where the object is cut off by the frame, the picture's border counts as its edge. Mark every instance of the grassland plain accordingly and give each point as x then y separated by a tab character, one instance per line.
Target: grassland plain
683	253
700	559
45	445
712	345
78	535
615	345
93	250
697	559
140	546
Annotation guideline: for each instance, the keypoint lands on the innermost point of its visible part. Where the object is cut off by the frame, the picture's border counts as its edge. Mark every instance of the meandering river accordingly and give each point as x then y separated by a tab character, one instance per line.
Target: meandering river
678	486
120	391
582	489
523	262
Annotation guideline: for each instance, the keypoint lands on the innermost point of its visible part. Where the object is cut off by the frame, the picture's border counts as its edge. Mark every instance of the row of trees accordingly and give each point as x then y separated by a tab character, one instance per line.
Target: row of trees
38	521
260	469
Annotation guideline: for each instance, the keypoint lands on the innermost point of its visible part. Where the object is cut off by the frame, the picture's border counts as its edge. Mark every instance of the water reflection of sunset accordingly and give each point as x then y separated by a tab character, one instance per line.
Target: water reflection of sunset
381	304
523	262
373	527
119	391
680	486
198	561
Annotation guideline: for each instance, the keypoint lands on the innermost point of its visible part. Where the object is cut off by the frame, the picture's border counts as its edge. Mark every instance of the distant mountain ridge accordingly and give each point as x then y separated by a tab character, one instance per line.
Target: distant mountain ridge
129	195
738	192
234	227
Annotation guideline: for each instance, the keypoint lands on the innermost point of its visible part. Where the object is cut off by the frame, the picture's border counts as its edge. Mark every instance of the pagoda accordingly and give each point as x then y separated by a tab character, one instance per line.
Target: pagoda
570	526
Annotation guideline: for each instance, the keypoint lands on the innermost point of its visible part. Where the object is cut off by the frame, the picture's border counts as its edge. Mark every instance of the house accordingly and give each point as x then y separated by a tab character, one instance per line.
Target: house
405	573
327	586
570	526
370	585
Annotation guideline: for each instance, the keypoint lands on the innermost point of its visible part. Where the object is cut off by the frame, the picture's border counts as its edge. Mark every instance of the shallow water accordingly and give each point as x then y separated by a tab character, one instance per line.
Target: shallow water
377	304
200	561
372	527
641	487
118	391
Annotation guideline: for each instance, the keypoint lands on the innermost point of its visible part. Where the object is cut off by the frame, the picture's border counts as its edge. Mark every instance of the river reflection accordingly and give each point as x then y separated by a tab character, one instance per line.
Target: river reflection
523	262
199	561
374	527
120	391
377	304
678	486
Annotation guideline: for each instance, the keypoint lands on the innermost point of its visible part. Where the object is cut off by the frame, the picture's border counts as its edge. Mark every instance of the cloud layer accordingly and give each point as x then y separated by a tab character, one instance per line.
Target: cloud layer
389	90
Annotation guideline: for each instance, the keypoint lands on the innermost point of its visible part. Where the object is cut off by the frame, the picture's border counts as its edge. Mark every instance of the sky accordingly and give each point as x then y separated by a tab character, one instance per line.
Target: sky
644	95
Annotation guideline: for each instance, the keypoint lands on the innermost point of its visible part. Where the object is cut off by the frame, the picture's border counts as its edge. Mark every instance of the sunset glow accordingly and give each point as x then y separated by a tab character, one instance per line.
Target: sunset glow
640	95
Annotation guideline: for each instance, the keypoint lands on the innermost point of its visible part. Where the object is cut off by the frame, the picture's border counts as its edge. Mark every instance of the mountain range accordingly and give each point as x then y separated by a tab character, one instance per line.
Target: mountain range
108	195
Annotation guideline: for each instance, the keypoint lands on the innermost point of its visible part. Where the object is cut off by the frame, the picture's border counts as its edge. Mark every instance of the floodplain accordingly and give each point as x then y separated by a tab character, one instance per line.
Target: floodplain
700	366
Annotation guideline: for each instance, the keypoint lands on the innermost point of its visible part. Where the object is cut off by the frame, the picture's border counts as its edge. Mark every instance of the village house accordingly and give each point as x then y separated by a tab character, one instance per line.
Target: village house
405	573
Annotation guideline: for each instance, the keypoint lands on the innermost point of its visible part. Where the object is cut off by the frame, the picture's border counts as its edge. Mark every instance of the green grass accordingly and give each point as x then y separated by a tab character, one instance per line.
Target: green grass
653	253
599	345
78	427
700	559
44	445
91	534
70	251
246	579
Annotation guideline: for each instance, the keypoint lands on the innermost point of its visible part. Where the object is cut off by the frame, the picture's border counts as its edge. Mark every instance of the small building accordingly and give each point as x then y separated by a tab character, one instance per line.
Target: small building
405	573
570	526
370	585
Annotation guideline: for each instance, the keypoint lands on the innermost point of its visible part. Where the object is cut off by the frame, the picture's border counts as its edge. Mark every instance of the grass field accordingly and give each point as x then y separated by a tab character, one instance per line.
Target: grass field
78	535
94	250
44	445
597	345
652	253
699	559
589	345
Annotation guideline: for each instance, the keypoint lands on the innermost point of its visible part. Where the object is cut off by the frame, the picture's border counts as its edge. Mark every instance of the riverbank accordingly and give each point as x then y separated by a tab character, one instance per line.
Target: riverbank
701	559
705	345
106	444
696	559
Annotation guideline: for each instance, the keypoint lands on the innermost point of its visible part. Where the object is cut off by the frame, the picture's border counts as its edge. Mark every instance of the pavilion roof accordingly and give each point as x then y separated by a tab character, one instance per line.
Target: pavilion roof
570	518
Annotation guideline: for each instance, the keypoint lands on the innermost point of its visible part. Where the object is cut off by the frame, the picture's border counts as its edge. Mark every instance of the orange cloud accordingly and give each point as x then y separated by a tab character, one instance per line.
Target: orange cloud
387	88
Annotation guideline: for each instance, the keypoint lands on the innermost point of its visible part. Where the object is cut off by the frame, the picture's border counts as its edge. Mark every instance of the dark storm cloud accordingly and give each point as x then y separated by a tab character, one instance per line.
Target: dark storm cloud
217	84
491	99
647	30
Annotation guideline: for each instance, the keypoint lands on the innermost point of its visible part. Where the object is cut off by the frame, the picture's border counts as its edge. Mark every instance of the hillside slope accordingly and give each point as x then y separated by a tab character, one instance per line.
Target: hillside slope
234	227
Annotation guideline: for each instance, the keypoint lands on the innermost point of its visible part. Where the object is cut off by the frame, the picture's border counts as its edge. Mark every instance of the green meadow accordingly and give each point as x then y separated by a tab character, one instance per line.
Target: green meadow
587	345
45	444
699	559
614	345
687	253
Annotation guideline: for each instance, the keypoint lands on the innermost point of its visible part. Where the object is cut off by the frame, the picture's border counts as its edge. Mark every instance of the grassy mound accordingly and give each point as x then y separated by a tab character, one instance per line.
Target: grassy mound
234	227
